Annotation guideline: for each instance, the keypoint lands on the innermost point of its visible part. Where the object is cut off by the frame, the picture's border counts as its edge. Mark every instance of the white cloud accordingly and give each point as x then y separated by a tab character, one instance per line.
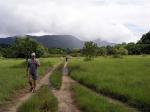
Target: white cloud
115	20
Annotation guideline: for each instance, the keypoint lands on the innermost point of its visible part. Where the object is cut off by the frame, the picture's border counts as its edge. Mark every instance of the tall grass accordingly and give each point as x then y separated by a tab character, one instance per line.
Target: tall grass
89	101
43	101
126	79
56	77
46	63
13	75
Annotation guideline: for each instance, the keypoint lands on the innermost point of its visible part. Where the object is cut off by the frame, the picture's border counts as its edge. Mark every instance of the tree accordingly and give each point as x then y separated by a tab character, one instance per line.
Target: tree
89	49
144	44
119	52
23	47
109	50
131	48
7	52
145	39
75	52
4	50
57	51
123	51
102	51
0	53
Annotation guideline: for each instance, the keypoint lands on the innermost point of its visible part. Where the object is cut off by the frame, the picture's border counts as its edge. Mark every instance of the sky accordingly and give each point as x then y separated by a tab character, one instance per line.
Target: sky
112	20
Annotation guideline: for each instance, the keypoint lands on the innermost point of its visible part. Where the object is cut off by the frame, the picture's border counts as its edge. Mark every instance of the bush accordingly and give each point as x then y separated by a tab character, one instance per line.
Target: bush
1	55
123	51
144	55
119	52
75	54
102	51
117	56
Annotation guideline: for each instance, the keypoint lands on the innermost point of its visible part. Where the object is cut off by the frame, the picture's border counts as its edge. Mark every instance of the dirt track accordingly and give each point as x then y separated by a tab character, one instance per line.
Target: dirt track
64	95
23	95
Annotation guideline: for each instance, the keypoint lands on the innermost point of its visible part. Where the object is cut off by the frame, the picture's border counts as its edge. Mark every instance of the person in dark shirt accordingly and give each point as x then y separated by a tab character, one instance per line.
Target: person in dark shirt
66	59
32	71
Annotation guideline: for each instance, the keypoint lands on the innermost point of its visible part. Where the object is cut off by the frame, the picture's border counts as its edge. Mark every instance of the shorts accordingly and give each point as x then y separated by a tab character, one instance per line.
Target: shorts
33	76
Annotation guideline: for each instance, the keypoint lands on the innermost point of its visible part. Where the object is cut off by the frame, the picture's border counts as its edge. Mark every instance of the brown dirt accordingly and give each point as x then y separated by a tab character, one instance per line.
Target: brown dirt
65	91
64	95
24	94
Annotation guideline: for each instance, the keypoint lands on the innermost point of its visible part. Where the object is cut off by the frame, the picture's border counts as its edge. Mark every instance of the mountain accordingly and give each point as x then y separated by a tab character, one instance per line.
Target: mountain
8	40
60	41
51	41
56	41
101	43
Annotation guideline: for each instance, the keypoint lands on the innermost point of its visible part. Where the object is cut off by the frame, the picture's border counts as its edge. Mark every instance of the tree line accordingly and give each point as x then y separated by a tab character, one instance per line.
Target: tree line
23	47
141	47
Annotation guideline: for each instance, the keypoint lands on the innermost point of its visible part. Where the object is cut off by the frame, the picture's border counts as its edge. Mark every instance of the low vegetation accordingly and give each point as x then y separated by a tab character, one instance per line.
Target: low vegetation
42	101
56	77
46	63
125	79
13	75
89	101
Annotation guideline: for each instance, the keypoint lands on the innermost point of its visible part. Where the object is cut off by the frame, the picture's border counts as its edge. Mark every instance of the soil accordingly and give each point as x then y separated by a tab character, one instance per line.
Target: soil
64	95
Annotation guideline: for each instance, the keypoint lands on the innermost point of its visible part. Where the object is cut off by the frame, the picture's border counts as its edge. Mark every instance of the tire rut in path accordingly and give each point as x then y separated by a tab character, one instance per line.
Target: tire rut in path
13	105
64	95
66	90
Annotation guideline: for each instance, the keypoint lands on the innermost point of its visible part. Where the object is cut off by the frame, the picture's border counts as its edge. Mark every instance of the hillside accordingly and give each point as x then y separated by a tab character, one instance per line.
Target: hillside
101	43
57	41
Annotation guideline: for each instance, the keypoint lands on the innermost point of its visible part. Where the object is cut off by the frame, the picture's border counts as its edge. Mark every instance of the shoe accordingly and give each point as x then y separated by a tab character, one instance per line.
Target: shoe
31	89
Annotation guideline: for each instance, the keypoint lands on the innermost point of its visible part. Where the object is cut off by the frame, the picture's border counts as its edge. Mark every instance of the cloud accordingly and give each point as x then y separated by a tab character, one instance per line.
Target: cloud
115	20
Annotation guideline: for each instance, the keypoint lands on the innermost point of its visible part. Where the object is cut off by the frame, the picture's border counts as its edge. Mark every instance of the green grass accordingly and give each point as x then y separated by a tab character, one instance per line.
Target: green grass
56	77
43	101
126	79
46	63
89	101
13	75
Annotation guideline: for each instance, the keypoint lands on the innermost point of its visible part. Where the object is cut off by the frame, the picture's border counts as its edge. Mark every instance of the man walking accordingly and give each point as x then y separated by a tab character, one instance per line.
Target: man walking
66	59
32	68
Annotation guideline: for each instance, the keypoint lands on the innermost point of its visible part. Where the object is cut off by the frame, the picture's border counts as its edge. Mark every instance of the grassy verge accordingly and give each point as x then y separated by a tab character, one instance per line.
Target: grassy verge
43	101
125	79
46	63
88	101
13	75
56	77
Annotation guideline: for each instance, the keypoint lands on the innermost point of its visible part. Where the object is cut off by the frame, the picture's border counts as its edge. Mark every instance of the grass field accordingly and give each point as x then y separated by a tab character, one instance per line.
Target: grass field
126	79
56	77
13	75
42	101
90	101
46	63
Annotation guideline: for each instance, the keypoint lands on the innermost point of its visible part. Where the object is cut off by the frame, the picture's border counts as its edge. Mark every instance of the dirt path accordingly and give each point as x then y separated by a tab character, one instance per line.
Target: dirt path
66	101
24	94
64	95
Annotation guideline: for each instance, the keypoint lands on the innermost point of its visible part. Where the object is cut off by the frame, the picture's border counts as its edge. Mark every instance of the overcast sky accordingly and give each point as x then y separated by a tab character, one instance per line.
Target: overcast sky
111	20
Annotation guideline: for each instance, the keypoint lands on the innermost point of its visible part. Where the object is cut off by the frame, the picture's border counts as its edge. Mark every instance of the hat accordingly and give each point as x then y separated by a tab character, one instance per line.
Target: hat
33	54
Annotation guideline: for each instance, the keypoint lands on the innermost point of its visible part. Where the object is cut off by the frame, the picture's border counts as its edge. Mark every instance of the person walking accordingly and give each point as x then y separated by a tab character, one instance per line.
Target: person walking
66	59
32	71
